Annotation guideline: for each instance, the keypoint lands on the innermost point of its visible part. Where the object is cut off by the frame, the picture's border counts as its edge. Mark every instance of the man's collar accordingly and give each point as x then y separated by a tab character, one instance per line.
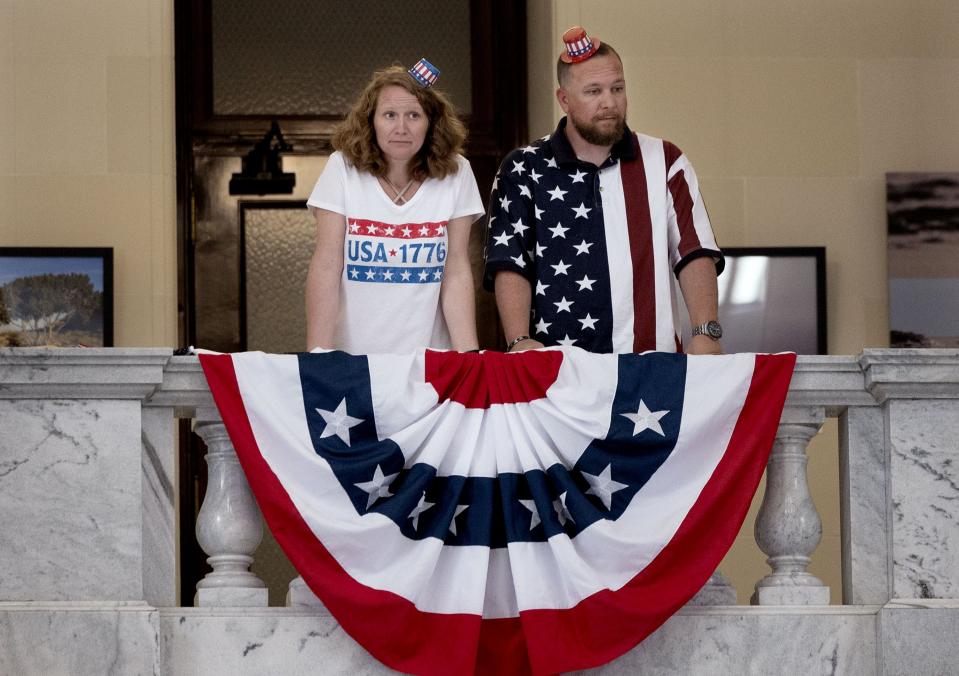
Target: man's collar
623	149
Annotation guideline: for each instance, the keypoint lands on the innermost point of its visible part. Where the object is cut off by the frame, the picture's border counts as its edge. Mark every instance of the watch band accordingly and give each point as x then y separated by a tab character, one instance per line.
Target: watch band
711	329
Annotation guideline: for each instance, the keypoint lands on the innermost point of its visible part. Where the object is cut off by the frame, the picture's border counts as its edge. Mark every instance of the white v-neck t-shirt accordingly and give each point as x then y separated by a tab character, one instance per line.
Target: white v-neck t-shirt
394	256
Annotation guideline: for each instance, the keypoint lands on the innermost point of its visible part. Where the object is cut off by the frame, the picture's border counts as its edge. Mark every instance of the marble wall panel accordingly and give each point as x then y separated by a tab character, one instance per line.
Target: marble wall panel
44	640
157	462
919	640
866	560
924	491
781	642
261	641
70	499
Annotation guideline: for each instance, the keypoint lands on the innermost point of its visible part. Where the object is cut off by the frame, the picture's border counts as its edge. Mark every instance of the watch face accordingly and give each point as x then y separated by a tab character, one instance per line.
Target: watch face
714	330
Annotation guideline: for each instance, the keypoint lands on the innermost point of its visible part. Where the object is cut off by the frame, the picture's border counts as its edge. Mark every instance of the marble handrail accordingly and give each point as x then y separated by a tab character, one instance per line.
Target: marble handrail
898	414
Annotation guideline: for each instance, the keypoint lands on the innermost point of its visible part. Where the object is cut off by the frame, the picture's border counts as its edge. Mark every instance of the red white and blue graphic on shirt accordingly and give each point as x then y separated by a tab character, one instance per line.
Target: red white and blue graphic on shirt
390	253
502	513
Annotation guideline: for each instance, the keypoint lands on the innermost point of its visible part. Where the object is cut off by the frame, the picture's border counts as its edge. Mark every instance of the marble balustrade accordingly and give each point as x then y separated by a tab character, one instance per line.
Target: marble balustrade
87	488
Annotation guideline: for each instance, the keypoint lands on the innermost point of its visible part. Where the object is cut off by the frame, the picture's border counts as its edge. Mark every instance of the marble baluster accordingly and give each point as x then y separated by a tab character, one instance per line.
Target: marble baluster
717	591
229	527
299	595
788	527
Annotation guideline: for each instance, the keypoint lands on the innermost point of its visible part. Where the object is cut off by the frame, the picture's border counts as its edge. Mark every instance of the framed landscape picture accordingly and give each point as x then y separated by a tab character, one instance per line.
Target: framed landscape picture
52	296
923	241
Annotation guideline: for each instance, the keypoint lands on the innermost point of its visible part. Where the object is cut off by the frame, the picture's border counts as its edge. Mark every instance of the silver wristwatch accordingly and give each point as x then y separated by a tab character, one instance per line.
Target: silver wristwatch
711	329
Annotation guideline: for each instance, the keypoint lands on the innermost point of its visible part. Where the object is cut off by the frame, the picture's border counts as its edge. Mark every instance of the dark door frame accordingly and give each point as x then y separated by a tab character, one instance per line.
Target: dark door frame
497	124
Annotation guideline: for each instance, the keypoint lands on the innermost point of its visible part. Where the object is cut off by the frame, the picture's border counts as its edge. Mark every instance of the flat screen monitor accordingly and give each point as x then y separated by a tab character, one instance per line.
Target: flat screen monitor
772	299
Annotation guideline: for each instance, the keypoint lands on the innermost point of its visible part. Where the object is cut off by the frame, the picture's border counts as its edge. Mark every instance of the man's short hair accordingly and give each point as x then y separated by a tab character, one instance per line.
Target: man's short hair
562	68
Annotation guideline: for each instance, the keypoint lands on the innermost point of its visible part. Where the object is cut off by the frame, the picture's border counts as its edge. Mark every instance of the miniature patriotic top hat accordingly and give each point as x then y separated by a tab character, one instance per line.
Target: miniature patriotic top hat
424	73
579	46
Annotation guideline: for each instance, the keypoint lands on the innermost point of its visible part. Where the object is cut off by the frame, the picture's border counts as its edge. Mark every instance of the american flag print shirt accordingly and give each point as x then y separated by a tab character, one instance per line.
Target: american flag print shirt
600	246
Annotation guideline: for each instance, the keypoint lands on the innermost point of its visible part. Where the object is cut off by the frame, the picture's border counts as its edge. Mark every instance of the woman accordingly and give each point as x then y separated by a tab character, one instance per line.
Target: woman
393	211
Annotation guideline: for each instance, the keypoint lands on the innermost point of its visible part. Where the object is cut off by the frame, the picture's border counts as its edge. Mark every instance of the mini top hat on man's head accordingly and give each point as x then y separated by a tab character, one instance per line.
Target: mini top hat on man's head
424	72
579	46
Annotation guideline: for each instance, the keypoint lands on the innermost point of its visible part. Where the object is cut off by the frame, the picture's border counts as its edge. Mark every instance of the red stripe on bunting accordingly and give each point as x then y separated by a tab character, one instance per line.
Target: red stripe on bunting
608	624
387	625
480	380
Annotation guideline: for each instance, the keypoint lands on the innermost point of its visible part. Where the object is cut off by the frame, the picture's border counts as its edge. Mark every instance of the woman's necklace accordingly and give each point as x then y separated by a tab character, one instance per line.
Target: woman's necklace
400	194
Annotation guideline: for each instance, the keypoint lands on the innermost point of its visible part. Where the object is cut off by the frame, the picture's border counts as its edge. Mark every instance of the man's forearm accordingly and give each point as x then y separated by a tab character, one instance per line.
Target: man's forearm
700	290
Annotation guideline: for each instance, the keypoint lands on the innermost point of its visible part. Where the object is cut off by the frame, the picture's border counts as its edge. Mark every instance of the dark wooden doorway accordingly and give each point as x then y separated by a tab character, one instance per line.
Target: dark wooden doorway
211	143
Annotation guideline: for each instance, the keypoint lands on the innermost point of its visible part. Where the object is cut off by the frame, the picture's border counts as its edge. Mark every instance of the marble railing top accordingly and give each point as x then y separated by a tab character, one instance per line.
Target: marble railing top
830	382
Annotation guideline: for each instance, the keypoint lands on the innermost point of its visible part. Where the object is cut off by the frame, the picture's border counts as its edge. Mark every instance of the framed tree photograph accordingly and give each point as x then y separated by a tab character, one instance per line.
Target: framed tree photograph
59	297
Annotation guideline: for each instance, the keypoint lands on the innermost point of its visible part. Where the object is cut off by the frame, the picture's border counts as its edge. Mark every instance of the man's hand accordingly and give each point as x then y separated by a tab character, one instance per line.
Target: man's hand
528	344
703	345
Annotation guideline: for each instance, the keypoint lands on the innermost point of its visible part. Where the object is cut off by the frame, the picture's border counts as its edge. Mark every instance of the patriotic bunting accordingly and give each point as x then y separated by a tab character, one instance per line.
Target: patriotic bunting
502	513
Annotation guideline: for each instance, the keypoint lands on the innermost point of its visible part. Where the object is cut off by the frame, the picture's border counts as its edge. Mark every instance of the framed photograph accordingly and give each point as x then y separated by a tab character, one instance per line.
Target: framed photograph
51	296
923	243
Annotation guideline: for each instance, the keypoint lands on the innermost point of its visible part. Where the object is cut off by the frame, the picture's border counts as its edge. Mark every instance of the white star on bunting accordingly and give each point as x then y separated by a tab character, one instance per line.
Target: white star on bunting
539	212
578	176
644	419
518	168
518	226
421	507
583	247
551	163
524	191
588	322
582	210
504	202
556	194
542	326
562	511
540	250
558	231
586	283
531	506
541	288
567	341
560	268
338	422
533	175
518	259
378	487
603	485
563	305
459	510
502	239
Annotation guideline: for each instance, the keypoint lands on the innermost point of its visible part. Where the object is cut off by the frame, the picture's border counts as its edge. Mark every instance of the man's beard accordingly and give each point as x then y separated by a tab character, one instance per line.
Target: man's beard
591	132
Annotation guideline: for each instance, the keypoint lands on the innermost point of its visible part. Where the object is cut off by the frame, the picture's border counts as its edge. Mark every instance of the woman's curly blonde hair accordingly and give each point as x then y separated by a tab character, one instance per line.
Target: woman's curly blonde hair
445	137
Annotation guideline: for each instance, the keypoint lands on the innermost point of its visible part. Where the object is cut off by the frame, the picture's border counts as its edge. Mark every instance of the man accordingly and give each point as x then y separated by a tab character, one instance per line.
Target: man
590	227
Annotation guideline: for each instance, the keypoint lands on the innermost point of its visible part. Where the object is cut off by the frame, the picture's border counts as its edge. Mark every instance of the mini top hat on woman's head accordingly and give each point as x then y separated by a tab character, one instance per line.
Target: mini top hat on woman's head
579	46
424	72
